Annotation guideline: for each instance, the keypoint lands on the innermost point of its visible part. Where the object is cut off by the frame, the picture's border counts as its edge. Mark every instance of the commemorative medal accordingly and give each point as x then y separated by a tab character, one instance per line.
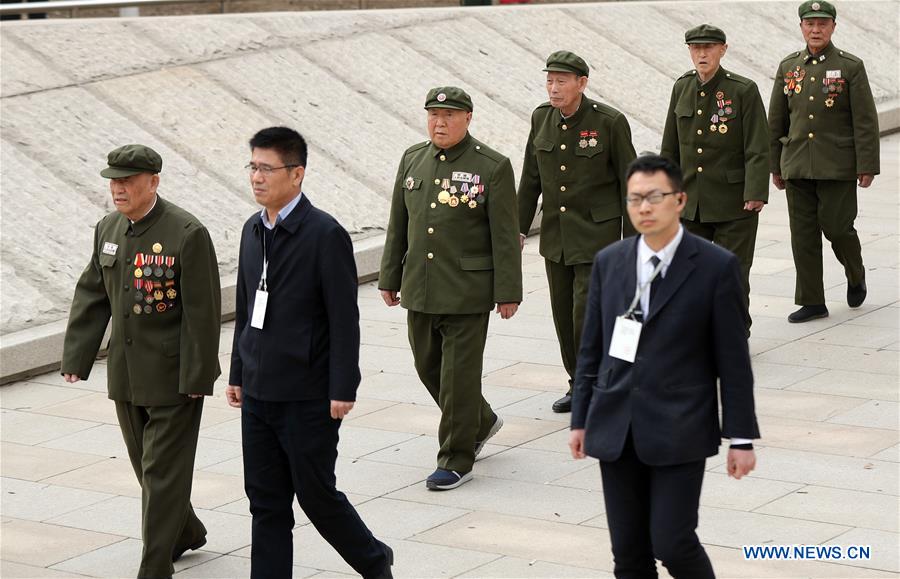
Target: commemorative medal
170	273
157	247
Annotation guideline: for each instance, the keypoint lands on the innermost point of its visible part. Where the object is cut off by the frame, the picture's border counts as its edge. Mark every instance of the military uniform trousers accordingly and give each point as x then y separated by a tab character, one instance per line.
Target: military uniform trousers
290	448
818	207
568	296
448	352
161	443
737	236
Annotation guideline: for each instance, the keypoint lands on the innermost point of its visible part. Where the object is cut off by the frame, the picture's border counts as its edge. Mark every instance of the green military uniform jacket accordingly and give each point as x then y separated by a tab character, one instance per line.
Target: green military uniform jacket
717	132
579	165
822	118
453	257
164	341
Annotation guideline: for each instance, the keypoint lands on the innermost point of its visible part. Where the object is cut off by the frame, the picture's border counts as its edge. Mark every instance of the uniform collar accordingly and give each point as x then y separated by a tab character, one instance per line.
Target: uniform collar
576	117
711	83
453	152
821	57
146	222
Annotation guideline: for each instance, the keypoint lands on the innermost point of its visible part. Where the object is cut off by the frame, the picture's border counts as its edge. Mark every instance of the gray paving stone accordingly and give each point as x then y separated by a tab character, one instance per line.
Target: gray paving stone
13	570
403	519
43	544
28	428
104	439
854	382
826	437
730	562
883	544
873	414
839	506
112	475
730	528
35	463
125	558
515	568
25	396
40	501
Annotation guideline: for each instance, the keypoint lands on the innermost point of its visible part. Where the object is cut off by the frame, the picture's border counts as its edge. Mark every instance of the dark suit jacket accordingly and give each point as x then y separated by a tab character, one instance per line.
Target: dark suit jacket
309	345
693	335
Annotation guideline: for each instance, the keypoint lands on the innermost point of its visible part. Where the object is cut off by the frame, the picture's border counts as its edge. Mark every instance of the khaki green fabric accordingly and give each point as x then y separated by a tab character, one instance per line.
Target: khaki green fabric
131	160
448	352
161	443
568	299
171	348
705	34
724	157
822	118
453	260
579	165
448	97
818	207
737	236
817	9
565	61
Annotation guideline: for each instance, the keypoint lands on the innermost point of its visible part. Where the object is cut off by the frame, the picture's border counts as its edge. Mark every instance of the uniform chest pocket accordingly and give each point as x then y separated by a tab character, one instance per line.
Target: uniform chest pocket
683	111
543	145
589	151
107	260
411	183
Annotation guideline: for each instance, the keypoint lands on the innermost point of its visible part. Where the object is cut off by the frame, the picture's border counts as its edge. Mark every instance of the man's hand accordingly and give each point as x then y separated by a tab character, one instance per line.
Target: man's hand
521	242
233	396
340	409
71	378
390	298
865	179
754	206
507	311
576	443
740	462
778	182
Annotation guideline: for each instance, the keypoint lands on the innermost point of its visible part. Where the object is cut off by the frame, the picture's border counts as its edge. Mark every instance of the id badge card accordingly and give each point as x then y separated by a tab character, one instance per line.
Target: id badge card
259	309
625	338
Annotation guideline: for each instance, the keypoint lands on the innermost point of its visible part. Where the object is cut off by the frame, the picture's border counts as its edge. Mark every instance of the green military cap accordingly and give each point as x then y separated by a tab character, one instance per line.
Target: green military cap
704	34
817	9
131	160
448	97
565	61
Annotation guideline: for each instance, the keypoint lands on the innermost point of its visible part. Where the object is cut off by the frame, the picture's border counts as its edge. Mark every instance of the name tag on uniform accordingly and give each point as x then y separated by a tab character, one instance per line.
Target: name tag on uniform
833	73
110	248
259	309
461	177
625	338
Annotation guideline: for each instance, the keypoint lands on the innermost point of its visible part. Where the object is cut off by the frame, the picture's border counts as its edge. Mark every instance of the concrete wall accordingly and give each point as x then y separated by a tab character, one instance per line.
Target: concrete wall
197	87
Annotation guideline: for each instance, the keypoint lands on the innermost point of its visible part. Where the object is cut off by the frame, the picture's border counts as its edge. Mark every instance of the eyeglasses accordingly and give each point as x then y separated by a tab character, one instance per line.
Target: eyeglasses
264	169
654	198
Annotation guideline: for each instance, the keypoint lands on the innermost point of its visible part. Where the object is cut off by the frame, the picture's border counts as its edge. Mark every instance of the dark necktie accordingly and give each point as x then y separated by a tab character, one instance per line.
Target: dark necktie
654	285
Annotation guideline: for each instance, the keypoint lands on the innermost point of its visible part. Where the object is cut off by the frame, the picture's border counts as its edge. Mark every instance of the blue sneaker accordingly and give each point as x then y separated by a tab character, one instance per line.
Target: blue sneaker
479	444
444	480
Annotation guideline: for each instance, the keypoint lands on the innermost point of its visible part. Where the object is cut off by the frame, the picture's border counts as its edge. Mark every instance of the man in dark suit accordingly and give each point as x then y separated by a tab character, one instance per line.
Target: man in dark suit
295	363
665	320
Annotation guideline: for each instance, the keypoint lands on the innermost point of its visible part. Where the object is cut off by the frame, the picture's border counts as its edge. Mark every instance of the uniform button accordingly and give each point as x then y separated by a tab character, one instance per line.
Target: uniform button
430	255
562	187
699	111
699	131
565	127
443	157
813	79
702	93
126	315
430	230
700	150
811	135
437	181
562	167
562	209
563	147
128	341
128	260
812	98
125	287
811	117
699	169
815	62
477	147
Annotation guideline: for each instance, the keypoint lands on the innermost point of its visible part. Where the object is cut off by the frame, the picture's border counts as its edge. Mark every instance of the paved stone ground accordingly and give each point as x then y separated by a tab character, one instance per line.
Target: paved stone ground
827	396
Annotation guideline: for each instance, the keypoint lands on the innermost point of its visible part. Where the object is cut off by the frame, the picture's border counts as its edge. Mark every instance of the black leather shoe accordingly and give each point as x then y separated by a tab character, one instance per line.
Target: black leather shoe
179	551
807	313
385	572
563	405
856	294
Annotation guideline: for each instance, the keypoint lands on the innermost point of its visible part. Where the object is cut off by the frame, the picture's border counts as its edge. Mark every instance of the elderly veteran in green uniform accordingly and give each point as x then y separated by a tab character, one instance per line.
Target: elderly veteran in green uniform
823	128
154	273
577	153
452	253
716	130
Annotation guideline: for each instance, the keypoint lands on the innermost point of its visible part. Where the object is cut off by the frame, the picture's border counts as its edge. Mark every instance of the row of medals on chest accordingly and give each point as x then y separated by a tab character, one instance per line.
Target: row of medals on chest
150	291
723	112
831	86
470	195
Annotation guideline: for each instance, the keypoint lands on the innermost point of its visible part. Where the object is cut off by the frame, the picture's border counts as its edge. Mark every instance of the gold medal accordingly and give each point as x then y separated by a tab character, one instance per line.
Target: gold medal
829	102
157	247
473	204
464	198
712	127
443	197
138	272
723	128
171	293
454	201
798	88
